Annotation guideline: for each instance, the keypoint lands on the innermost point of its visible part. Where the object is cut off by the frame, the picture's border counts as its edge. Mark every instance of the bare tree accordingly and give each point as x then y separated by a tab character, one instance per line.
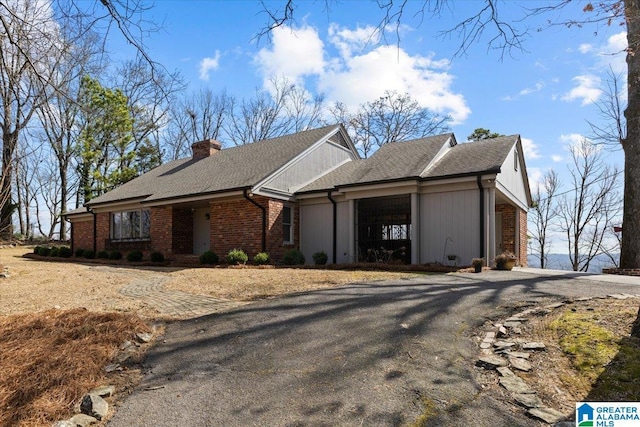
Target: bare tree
542	215
283	109
586	211
612	129
390	118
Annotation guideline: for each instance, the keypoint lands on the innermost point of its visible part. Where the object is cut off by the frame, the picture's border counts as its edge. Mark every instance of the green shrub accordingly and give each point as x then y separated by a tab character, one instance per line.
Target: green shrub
65	252
89	254
157	257
115	255
134	256
102	255
237	257
44	251
79	252
209	258
293	257
320	258
36	250
261	258
54	251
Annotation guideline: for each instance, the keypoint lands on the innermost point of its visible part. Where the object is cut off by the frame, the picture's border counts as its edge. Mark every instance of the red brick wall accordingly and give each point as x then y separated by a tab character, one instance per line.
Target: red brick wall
509	237
523	238
160	232
237	224
82	234
102	230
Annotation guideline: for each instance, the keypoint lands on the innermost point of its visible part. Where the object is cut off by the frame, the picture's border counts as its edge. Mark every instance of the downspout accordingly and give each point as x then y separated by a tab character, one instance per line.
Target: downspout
95	229
73	249
334	247
482	218
264	219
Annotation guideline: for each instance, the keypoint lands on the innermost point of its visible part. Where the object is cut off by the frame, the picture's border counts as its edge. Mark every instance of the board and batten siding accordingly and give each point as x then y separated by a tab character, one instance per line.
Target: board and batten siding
454	215
316	225
510	181
316	163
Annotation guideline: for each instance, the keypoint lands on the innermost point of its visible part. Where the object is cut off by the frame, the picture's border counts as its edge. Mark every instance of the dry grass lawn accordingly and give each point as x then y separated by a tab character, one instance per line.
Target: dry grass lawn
61	323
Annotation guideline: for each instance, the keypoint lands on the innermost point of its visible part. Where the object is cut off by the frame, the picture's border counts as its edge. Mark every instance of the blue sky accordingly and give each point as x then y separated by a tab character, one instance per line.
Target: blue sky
546	92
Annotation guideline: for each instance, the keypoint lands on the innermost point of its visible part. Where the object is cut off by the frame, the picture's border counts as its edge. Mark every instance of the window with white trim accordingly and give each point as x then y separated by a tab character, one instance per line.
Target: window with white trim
287	225
131	225
515	160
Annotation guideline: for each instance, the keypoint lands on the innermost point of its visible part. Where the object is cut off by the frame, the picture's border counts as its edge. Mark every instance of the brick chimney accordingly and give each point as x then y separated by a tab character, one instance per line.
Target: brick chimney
206	148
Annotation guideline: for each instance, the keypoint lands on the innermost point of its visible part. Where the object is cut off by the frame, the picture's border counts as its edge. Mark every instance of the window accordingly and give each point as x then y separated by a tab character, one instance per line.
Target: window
515	159
131	225
287	225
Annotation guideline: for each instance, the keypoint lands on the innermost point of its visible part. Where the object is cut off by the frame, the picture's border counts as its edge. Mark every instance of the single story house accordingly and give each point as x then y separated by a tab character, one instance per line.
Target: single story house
422	201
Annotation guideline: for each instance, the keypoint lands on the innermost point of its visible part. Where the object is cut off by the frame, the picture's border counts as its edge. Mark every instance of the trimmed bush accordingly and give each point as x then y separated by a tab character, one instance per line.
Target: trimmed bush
54	251
237	257
115	255
320	258
36	250
134	256
293	257
79	252
261	258
44	251
65	252
102	255
209	258
89	254
157	257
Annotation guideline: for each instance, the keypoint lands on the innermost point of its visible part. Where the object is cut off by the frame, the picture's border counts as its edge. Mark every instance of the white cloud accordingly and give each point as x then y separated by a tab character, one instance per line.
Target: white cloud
557	158
613	54
535	177
209	64
294	53
530	149
587	90
585	48
361	70
537	88
571	138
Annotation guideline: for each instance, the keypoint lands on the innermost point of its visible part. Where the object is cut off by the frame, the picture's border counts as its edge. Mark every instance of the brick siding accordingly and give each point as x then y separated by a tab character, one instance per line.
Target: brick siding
523	238
509	215
103	220
160	232
237	224
82	234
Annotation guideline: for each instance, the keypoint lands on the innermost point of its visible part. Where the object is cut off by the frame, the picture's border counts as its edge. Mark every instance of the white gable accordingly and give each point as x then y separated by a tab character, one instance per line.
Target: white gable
512	180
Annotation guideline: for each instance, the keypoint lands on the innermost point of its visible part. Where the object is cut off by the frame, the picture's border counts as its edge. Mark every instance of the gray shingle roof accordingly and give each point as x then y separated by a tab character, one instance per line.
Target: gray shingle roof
231	168
473	157
406	160
398	160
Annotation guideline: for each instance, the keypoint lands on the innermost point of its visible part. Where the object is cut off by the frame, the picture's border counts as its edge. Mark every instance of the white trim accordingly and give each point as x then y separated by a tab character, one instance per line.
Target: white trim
441	153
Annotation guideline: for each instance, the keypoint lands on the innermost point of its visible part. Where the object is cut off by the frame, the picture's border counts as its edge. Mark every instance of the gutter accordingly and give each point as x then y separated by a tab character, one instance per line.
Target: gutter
482	223
264	218
335	226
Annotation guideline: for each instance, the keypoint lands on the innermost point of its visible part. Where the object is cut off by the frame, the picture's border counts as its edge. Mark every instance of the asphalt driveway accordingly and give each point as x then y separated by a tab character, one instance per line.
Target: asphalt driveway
361	355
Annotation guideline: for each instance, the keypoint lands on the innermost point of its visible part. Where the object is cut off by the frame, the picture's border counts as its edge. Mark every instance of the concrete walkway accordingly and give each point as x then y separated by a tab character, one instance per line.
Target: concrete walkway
173	303
594	277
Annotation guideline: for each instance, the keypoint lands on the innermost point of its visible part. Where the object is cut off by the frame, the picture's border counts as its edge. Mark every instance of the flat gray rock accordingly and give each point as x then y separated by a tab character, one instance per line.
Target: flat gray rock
515	384
94	405
533	346
491	362
520	364
548	415
65	423
104	391
505	372
528	400
520	354
82	420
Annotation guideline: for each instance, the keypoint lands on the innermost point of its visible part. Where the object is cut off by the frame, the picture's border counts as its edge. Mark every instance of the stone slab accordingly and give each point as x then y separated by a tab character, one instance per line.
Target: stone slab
528	400
520	364
515	384
491	362
548	415
533	346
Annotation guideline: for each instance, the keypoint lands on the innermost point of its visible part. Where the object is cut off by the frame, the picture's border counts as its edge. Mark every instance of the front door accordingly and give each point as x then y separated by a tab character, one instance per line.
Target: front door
201	231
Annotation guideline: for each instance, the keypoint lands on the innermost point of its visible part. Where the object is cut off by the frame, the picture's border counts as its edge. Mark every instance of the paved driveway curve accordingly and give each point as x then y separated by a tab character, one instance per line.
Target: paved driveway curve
361	355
